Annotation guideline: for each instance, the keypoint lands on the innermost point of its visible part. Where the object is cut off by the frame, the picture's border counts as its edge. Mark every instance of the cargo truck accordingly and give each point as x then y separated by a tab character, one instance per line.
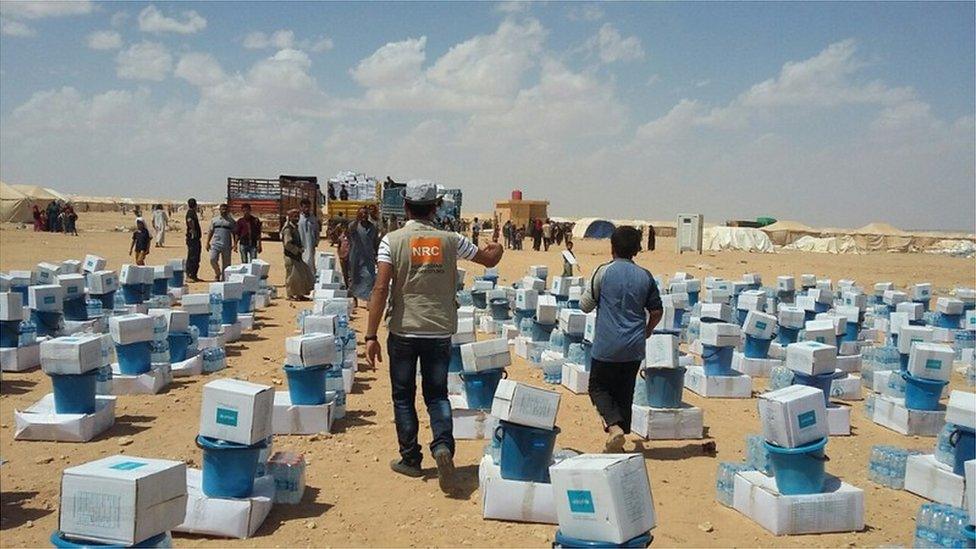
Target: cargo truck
270	199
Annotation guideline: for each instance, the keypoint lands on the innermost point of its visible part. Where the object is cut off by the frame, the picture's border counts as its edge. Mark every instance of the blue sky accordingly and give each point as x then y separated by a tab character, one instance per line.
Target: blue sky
829	113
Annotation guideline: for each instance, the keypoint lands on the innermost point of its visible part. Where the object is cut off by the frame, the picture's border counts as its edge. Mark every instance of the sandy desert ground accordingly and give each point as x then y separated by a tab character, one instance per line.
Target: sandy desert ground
353	499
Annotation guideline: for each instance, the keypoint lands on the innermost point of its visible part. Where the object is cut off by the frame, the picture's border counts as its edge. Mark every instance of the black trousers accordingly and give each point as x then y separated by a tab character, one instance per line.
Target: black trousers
192	258
612	391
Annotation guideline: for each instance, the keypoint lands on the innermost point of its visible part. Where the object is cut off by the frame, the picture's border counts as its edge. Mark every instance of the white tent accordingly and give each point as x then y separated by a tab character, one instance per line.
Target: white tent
716	239
829	245
15	206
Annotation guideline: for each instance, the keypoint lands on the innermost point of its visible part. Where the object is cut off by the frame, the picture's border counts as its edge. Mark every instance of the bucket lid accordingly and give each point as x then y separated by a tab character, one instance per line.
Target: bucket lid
293	368
642	540
806	448
922	380
482	373
208	443
503	423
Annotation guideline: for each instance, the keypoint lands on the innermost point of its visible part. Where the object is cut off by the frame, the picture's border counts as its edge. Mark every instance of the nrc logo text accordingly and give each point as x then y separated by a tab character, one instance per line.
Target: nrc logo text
426	250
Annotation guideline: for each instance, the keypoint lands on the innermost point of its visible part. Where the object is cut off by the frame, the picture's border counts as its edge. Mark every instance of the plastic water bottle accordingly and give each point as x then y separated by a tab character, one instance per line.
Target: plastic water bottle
216	315
93	308
103	378
342	324
194	337
896	385
757	457
300	319
576	354
333	382
944	452
118	303
27	335
213	359
556	340
780	377
288	471
869	406
464	298
725	481
640	391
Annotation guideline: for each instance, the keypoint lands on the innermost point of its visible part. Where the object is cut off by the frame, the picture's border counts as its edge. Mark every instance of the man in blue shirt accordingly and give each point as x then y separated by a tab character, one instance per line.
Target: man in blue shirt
628	307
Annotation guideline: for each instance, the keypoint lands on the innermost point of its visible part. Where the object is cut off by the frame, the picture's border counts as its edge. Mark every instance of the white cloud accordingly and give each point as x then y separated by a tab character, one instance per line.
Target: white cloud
104	40
653	79
322	44
394	64
45	8
512	6
610	46
199	69
119	18
703	83
285	39
144	61
9	27
585	12
152	20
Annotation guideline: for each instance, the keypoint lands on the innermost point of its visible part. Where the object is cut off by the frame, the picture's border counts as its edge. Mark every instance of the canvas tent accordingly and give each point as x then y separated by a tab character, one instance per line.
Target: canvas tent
592	227
716	239
783	233
15	207
844	244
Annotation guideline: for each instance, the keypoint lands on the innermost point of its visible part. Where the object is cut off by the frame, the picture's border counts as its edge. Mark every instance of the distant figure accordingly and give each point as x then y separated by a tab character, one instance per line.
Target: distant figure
52	216
309	231
507	233
248	235
547	234
650	238
343	242
221	241
332	193
70	220
193	236
475	231
364	240
628	307
343	193
519	237
568	265
299	279
537	234
159	221
38	219
140	242
138	211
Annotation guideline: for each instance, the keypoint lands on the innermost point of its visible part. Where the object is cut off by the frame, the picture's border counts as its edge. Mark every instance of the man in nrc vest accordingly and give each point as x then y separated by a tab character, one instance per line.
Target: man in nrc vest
417	274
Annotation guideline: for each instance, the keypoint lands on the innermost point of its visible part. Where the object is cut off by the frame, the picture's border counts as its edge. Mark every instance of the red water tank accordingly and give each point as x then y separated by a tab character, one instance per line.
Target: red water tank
517	194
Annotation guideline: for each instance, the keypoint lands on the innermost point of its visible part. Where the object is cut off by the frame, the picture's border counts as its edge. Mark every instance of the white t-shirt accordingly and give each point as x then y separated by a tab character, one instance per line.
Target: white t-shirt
465	250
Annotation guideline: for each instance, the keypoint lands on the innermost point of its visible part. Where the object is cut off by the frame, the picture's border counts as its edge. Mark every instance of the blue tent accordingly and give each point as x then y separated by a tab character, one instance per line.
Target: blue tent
593	228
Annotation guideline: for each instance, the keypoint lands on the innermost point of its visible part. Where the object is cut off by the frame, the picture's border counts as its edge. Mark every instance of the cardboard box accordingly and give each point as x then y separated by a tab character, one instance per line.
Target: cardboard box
150	383
20	359
793	416
561	284
485	355
720	334
227	518
248	282
811	358
751	300
70	266
11	306
525	405
604	497
314	349
760	325
73	286
847	387
737	386
961	409
46	297
227	291
806	302
102	282
196	304
785	283
319	324
162	272
791	316
47	273
466	332
236	411
692	285
716	311
40	422
855	299
716	296
539	271
881	287
893	297
131	328
927	477
538	285
909	335
526	299
294	419
130	274
330	294
176	320
122	499
488	325
890	412
576	378
661	351
839	420
546	309
754	367
521	345
473	424
94	263
685	422
912	309
931	361
970	469
921	291
572	321
840	508
74	354
513	500
849	363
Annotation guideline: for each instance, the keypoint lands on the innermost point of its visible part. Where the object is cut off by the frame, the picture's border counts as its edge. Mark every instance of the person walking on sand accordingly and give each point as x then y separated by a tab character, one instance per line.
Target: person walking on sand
628	307
140	242
38	219
159	221
547	234
475	231
248	231
299	278
70	220
193	236
569	260
418	273
364	240
309	230
221	241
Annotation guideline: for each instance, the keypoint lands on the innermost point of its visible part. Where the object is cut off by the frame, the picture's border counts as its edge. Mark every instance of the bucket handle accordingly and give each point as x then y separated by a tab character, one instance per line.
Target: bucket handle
824	458
714	353
497	435
954	437
641	372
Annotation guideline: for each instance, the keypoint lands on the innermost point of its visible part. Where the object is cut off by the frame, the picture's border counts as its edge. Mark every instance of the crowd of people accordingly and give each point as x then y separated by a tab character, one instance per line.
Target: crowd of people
57	217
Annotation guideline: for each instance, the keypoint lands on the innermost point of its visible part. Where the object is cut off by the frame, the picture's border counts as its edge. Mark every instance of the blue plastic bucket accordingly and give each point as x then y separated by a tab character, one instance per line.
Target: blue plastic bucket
964	442
75	309
903	361
852	331
756	347
924	303
134	358
228	468
643	540
132	294
541	332
692	298
74	393
160	286
229	313
479	387
798	470
522	314
306	386
147	291
818	381
179	342
664	386
24	292
58	539
499	309
717	360
246	304
9	333
922	394
787	335
969	533
678	316
108	300
176	281
809	315
740	316
48	323
490	278
526	451
479	299
562	299
202	323
820	307
456	364
951	322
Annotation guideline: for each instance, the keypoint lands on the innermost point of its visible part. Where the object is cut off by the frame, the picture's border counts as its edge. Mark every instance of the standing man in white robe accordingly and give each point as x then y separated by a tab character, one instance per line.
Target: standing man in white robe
309	230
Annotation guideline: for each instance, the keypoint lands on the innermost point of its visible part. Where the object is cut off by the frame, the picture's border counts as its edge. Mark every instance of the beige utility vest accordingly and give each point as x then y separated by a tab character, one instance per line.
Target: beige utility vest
423	299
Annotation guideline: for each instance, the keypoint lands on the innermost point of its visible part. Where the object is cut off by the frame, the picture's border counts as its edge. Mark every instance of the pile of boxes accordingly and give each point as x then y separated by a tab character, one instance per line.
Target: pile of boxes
934	480
312	408
134	372
19	349
358	186
663	423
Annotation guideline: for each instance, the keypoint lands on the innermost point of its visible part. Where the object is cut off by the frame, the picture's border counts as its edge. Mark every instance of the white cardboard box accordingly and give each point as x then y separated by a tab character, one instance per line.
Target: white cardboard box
176	319
526	298
891	412
685	422
839	420
753	367
122	499
525	405
102	282
793	416
961	409
840	508
909	335
738	386
522	347
20	359
970	469
48	297
546	310
192	366
603	497
576	378
74	354
11	306
227	291
514	500
931	361
149	383
465	333
47	273
926	477
534	283
849	363
791	316
196	304
473	424
294	419
315	349
249	283
720	334
236	411
811	357
246	322
572	321
485	355
487	325
40	422
759	325
716	311
661	351
589	331
227	518
131	328
94	263
846	388
232	332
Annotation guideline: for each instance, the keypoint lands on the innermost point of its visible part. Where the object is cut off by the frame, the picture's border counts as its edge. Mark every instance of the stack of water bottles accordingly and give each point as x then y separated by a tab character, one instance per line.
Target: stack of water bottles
11	319
725	480
552	361
887	465
160	341
941	525
288	471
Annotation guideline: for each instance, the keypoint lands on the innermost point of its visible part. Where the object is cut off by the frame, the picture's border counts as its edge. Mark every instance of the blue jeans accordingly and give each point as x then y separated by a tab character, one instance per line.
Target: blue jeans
434	356
248	253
